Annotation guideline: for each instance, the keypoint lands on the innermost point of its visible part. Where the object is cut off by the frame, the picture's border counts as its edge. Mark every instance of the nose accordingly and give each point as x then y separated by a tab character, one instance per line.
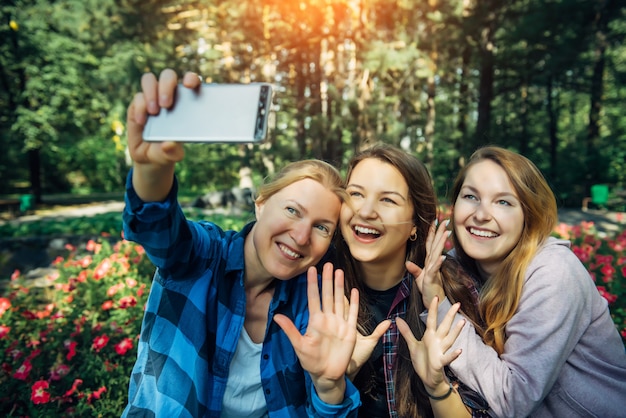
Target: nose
482	212
367	210
301	233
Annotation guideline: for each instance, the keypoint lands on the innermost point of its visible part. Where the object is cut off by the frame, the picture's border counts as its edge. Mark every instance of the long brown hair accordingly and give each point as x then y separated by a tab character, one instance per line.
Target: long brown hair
410	394
500	294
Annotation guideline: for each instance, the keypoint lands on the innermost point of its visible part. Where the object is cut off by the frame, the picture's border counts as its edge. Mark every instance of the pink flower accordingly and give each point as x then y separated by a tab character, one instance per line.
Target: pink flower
15	275
39	394
59	371
106	305
100	342
123	346
22	372
102	269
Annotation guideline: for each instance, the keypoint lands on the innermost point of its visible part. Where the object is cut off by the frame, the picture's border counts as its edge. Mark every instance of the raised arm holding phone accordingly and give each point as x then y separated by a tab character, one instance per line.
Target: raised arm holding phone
235	324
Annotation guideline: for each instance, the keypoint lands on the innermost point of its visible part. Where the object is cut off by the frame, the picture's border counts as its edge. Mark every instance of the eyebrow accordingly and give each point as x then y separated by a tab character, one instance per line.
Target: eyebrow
384	192
501	194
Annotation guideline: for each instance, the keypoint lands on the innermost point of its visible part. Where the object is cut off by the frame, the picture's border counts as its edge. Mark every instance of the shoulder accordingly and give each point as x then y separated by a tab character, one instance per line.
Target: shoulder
556	266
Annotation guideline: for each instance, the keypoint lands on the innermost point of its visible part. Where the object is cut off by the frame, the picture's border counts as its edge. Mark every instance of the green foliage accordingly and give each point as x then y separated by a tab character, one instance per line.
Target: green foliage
107	223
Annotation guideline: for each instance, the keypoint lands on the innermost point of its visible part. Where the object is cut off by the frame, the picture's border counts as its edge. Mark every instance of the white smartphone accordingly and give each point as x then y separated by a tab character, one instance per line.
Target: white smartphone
214	113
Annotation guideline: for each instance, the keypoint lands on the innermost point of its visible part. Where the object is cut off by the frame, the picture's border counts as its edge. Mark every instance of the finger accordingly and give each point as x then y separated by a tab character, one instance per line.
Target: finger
406	332
290	329
339	292
380	329
327	287
353	315
431	234
346	307
416	271
191	80
453	335
448	358
136	119
313	292
173	150
149	87
167	87
431	319
446	323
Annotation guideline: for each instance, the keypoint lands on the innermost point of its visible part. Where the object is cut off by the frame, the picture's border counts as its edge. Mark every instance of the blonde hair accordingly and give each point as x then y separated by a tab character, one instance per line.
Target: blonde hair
500	295
318	170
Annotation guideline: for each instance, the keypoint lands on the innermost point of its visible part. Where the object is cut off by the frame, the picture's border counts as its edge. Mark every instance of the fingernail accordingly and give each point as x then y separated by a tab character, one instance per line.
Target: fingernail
152	106
447	222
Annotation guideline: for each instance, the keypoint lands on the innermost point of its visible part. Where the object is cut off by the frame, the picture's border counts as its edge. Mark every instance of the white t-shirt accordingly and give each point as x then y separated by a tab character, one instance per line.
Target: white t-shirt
244	392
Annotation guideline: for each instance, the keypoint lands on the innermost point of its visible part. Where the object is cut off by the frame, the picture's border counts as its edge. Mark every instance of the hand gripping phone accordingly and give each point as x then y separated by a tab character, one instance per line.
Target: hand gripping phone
223	113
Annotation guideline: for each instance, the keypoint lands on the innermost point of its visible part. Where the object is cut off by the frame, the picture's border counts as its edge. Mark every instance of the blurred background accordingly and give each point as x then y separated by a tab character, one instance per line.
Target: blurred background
436	77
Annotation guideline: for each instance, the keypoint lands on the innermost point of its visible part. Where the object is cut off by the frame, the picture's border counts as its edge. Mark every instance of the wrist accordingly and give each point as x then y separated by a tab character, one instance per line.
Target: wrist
441	393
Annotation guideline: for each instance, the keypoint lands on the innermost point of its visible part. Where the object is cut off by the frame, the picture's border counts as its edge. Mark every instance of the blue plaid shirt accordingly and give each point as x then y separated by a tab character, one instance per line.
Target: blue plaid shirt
195	314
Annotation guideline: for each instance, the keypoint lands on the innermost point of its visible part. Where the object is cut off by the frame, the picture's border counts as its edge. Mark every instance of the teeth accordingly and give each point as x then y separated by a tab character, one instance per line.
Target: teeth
288	251
481	233
363	230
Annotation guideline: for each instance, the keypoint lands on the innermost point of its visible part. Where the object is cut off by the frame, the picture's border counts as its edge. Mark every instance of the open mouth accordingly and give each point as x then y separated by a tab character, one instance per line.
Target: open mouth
289	252
364	232
482	233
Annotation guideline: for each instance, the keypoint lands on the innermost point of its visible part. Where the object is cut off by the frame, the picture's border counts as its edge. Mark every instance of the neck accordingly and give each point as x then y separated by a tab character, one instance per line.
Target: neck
381	276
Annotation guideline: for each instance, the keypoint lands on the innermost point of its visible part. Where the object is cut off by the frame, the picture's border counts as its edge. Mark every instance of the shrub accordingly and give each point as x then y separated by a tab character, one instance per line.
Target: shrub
68	347
605	259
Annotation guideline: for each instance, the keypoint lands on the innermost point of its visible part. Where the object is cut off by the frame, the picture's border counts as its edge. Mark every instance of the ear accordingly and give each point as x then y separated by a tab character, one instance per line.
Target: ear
258	208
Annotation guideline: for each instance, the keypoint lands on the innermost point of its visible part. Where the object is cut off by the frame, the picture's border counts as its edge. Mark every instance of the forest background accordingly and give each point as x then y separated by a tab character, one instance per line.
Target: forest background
439	78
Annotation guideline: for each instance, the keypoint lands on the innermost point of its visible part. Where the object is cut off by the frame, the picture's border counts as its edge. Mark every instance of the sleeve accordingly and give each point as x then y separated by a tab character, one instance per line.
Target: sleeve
172	243
540	337
348	408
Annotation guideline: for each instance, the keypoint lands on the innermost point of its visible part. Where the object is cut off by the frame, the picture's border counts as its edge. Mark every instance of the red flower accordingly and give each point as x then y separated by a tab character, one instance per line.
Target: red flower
102	269
59	371
100	342
127	302
96	395
107	304
4	331
39	394
23	371
606	295
71	347
123	346
5	304
15	275
73	388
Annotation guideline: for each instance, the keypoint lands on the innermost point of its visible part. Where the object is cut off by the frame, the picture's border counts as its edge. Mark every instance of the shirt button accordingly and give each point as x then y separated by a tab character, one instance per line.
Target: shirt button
265	356
267	391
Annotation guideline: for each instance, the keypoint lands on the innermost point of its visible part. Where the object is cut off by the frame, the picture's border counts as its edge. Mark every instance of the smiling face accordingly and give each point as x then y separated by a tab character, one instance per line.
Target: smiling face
293	231
488	217
377	223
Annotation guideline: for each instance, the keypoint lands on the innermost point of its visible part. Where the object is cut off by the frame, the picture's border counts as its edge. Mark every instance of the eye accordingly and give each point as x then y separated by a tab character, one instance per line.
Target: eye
389	200
324	230
469	197
503	202
292	211
354	193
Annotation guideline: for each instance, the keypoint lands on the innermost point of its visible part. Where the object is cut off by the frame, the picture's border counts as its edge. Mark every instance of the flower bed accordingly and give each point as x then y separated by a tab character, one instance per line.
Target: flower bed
68	346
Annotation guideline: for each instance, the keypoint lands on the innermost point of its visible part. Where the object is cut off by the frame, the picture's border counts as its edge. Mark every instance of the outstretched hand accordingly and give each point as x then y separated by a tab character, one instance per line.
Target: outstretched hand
365	345
326	347
428	279
430	355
